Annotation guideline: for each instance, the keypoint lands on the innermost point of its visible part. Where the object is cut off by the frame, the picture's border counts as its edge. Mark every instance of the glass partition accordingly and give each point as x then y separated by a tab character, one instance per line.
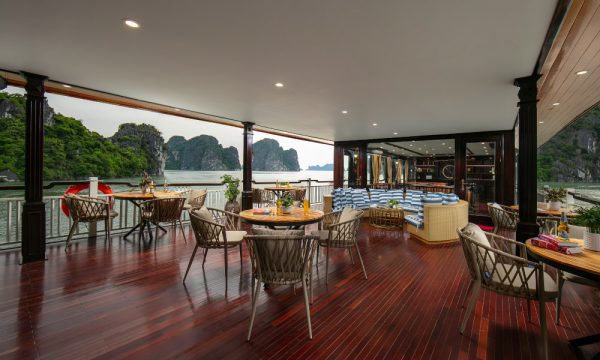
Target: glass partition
480	176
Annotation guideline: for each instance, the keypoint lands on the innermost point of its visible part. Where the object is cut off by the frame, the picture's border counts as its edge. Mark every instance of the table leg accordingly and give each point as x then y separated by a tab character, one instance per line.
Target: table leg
160	227
586	340
132	230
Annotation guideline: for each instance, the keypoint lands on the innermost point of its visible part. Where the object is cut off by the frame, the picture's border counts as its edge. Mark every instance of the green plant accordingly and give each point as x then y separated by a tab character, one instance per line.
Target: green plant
558	194
145	180
287	200
392	202
588	217
232	191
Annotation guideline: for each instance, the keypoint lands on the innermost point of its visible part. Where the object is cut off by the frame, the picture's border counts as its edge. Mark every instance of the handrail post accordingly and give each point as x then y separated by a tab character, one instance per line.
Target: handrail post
93	194
309	190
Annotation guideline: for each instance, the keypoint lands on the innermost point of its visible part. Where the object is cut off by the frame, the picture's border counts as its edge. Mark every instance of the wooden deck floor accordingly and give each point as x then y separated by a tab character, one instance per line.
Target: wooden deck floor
127	301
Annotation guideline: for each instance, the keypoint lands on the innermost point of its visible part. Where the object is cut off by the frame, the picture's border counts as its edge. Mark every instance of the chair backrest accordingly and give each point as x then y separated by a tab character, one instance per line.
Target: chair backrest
281	259
344	234
298	194
503	217
497	270
196	198
163	209
85	209
207	231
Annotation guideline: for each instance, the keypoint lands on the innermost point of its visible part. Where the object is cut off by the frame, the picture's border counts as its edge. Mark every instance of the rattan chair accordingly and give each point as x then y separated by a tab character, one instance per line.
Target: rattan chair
336	234
215	229
87	210
161	210
281	260
195	199
503	217
495	268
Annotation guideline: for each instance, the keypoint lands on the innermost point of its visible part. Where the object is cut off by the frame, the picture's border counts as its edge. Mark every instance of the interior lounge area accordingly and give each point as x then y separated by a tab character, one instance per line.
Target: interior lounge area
433	236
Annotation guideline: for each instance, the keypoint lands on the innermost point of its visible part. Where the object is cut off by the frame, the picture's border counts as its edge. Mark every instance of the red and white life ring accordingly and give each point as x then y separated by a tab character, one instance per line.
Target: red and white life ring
75	189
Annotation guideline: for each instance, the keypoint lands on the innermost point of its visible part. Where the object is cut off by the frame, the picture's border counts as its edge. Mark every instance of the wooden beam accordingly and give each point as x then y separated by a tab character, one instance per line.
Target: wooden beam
247	171
33	244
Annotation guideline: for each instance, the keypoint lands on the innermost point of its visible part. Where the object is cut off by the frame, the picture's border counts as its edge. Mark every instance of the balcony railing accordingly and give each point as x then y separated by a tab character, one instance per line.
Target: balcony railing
58	224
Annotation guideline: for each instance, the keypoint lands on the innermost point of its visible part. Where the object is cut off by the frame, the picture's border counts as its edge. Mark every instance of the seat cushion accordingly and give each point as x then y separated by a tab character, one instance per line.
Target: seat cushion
414	220
348	214
204	214
514	279
474	232
233	237
113	214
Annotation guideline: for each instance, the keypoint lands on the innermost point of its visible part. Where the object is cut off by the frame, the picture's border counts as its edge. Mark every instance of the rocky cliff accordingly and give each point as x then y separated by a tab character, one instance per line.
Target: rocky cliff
200	153
573	154
145	138
267	155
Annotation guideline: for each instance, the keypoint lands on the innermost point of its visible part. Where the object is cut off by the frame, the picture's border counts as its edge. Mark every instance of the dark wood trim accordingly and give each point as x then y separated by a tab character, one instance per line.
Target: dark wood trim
338	166
362	165
562	7
247	166
527	165
33	244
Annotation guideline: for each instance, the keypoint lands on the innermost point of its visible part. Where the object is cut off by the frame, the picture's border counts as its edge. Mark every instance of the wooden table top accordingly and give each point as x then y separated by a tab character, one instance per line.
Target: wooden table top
541	209
297	217
137	195
586	264
281	188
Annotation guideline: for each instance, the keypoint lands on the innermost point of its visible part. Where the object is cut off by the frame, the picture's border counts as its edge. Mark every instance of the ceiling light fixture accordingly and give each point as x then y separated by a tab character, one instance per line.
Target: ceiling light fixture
582	72
443	143
344	111
540	122
132	23
395	133
279	85
67	86
176	109
556	104
374	124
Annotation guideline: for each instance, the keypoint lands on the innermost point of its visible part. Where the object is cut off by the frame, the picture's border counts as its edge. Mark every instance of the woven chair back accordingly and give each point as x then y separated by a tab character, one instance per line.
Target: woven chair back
163	209
85	209
208	234
503	218
281	259
345	234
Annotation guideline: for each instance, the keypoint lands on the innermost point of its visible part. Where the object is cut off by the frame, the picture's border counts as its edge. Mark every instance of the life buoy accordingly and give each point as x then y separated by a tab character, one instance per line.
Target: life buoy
75	189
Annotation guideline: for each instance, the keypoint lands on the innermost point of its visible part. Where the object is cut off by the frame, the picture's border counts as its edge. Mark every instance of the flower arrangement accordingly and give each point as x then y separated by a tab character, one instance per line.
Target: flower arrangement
145	181
232	187
558	194
392	203
287	200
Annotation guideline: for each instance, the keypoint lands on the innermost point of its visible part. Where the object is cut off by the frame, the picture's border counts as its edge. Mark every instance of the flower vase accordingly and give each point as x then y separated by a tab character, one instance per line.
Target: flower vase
554	205
591	241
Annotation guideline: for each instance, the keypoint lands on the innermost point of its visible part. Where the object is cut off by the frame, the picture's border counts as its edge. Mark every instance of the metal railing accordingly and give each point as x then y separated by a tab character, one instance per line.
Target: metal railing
58	224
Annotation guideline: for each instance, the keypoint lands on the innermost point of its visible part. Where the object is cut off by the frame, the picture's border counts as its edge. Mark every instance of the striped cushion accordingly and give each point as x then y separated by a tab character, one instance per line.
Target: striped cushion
432	199
375	195
450	199
414	220
360	198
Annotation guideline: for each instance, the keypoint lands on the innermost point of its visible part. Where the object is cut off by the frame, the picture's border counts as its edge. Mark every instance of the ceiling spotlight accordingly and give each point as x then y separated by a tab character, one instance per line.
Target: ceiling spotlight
374	124
449	147
131	23
556	104
395	133
410	145
419	148
67	86
482	143
540	122
279	85
582	72
443	143
176	109
344	111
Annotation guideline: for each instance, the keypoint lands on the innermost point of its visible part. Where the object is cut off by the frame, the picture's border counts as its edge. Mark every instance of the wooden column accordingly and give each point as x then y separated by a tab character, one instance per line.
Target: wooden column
247	171
338	166
527	166
362	165
33	245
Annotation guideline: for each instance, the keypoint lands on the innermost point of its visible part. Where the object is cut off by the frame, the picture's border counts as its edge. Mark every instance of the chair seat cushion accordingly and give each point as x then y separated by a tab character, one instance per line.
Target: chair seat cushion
233	237
414	220
113	214
515	280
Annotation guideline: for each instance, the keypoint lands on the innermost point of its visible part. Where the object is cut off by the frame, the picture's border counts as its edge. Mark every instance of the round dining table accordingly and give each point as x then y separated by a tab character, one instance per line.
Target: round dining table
297	218
137	197
585	264
542	209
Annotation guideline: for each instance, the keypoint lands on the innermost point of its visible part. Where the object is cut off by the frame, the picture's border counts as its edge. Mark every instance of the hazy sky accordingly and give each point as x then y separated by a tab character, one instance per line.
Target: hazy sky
105	119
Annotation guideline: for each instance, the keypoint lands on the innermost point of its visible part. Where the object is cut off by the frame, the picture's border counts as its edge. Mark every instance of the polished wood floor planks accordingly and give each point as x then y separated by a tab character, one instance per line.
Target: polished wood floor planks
122	299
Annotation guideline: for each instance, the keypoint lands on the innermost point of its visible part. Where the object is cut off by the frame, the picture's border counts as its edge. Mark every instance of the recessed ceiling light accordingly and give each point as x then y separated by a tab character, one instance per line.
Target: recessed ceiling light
556	104
443	143
344	111
131	23
279	85
449	147
419	148
582	72
395	133
176	109
374	124
410	145
427	152
67	86
482	143
540	122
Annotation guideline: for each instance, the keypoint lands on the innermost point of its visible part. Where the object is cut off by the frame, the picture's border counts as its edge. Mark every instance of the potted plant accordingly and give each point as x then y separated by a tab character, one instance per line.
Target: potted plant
232	191
555	198
392	203
287	201
590	218
145	183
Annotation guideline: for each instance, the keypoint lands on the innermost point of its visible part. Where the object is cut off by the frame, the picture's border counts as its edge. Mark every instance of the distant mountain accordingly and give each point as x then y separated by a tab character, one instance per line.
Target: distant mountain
573	154
267	155
200	153
326	167
72	151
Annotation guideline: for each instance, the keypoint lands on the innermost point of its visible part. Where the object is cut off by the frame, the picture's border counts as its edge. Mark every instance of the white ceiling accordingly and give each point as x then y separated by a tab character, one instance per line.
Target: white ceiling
413	67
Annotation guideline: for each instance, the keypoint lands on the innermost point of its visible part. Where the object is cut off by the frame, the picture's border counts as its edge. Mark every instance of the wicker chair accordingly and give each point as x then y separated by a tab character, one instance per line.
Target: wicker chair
87	210
339	234
281	260
195	199
262	197
215	229
503	217
493	266
161	210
